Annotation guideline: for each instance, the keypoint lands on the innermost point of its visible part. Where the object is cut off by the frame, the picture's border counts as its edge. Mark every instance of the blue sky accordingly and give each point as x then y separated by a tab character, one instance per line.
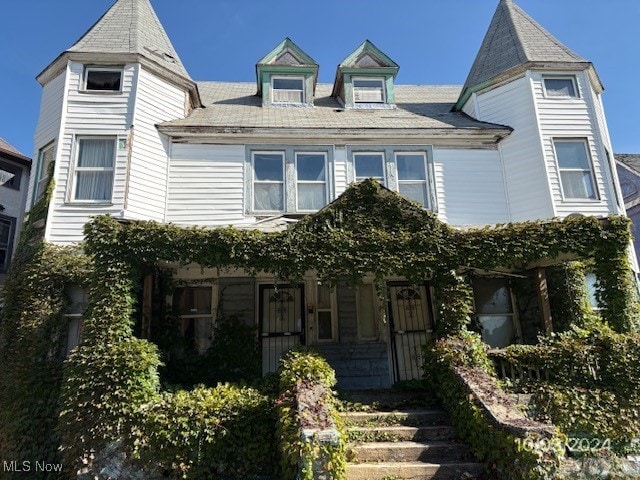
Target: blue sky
433	41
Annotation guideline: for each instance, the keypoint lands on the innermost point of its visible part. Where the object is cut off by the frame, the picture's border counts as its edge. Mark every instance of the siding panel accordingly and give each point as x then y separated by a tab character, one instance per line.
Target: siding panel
206	185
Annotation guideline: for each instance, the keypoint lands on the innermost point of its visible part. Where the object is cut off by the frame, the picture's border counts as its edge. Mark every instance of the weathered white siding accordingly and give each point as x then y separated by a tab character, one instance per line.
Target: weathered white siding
340	170
572	118
157	101
48	127
470	187
524	166
206	185
470	107
102	114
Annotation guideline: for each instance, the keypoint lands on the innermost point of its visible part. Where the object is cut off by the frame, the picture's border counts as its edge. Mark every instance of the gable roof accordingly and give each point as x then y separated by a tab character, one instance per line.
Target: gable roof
515	40
234	109
131	26
630	160
366	57
9	150
286	57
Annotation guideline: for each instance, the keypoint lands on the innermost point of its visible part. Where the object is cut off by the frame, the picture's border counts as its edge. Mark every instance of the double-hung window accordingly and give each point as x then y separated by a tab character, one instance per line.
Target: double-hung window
412	177
326	317
194	305
368	90
287	89
268	181
576	174
311	180
7	231
94	169
369	165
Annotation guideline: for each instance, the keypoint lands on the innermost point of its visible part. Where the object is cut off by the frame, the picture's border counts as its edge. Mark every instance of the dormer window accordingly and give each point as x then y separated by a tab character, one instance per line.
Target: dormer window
103	79
287	76
287	89
365	79
368	90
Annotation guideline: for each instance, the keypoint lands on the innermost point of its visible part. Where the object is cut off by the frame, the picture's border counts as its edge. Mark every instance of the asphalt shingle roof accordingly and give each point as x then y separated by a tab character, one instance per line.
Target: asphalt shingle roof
131	26
6	147
237	105
631	160
514	39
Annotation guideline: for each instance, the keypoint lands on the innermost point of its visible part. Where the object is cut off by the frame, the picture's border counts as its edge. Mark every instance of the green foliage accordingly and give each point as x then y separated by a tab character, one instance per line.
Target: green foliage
590	384
505	454
33	336
222	432
307	404
234	356
104	387
568	296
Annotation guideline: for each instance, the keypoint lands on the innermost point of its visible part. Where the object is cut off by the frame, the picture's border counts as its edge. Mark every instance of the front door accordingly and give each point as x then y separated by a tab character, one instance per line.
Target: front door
281	311
411	326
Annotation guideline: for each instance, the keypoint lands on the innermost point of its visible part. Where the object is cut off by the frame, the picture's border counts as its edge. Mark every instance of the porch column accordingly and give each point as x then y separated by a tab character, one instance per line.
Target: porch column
543	300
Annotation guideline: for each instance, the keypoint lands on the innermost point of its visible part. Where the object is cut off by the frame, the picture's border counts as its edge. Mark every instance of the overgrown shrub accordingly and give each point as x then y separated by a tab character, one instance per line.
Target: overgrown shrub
306	411
222	432
504	454
103	389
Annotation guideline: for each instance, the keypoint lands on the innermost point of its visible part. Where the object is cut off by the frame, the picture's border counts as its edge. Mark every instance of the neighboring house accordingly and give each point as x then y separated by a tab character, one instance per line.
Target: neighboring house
14	182
132	135
628	166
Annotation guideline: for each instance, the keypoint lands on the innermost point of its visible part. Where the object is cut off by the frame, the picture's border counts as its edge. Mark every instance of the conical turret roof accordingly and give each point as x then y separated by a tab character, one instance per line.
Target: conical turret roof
131	26
515	40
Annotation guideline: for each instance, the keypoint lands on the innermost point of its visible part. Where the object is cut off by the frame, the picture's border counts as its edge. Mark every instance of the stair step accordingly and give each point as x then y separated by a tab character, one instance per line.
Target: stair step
413	471
389	399
396	433
408	452
412	418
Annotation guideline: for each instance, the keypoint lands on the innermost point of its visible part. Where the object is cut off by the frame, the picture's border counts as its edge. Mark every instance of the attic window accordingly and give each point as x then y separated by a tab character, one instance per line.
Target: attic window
560	87
287	89
368	90
103	79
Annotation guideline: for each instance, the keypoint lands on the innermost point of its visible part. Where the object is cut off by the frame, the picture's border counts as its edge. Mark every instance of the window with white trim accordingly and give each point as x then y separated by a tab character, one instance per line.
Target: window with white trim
93	173
102	79
325	314
78	301
311	180
576	174
412	176
368	90
7	232
559	87
287	179
194	305
45	159
287	89
268	181
369	165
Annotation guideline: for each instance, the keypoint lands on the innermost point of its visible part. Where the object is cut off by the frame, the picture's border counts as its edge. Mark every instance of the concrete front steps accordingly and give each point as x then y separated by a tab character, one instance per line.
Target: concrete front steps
402	436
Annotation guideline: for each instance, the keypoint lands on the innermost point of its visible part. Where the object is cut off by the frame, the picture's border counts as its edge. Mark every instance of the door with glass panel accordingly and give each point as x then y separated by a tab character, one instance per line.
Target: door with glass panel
411	326
281	314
